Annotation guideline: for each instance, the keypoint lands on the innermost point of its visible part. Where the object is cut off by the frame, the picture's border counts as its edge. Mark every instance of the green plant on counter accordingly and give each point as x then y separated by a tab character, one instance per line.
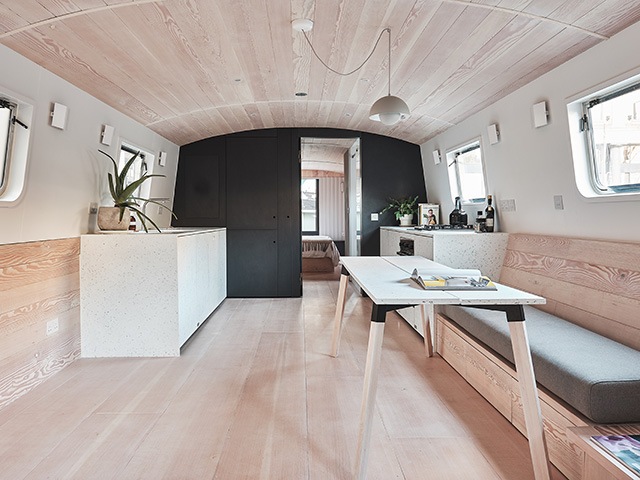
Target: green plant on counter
402	206
124	195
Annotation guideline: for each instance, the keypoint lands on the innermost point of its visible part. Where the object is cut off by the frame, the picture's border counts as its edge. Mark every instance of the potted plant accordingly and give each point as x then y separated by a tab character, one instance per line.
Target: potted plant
125	200
403	208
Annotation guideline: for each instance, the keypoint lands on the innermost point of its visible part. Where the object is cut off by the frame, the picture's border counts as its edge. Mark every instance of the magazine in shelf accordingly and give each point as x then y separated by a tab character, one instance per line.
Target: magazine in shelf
626	448
452	279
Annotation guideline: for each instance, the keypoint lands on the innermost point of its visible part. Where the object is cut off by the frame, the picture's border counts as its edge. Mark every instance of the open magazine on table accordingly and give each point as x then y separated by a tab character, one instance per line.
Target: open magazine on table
452	279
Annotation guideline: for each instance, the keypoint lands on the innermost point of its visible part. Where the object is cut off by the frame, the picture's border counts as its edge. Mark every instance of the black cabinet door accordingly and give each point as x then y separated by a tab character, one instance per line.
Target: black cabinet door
252	263
200	197
252	183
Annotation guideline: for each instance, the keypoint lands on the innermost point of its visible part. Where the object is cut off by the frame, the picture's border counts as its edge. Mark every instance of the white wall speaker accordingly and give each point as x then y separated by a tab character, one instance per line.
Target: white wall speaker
162	159
493	133
107	134
540	114
436	157
59	116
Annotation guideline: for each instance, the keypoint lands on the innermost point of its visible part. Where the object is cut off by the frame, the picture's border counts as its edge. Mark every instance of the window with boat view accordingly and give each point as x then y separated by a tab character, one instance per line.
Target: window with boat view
612	124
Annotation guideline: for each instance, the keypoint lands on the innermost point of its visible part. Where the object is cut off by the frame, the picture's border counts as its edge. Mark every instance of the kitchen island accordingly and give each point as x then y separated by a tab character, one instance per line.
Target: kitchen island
144	294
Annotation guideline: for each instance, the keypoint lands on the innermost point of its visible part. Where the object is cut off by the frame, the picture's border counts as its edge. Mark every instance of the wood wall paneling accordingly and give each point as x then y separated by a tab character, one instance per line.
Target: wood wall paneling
595	284
39	283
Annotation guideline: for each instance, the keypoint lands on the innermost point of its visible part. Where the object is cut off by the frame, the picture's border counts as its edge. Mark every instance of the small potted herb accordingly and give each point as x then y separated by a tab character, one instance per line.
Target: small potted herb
403	208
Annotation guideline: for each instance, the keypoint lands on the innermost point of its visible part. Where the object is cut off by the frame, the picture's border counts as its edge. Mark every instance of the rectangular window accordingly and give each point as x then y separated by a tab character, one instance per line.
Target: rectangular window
7	112
138	168
466	174
309	206
612	125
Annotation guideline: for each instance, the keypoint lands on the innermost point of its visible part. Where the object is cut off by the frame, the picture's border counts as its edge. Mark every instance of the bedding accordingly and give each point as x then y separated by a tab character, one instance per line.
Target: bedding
320	246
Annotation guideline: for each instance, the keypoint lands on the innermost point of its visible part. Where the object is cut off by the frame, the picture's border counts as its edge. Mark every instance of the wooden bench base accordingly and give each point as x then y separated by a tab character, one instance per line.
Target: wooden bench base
496	380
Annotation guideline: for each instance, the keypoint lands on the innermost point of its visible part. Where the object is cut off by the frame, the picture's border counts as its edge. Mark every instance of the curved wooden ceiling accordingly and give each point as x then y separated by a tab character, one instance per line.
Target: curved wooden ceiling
192	69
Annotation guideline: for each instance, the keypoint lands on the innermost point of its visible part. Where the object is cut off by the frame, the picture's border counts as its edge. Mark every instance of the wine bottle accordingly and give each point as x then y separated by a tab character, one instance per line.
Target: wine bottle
489	215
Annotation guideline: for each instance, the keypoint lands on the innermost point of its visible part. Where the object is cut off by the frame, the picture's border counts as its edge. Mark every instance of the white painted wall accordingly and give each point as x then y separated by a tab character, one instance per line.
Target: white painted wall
65	172
531	165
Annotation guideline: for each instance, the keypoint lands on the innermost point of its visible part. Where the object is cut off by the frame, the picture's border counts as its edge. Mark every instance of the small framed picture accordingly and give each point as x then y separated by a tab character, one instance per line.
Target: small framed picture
428	214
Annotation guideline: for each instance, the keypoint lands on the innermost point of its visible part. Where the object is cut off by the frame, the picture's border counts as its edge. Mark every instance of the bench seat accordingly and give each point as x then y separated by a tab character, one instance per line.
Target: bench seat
595	375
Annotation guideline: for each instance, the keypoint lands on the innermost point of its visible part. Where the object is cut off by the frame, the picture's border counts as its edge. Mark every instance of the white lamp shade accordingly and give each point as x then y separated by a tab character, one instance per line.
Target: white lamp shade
389	110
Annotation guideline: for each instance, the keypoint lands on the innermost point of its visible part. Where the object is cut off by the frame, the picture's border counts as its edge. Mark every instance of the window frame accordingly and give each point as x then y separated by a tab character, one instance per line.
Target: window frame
317	229
455	187
6	161
587	127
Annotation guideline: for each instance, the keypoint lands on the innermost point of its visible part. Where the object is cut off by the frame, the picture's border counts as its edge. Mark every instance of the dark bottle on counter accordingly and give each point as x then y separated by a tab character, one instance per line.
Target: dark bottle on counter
490	215
454	216
458	217
481	222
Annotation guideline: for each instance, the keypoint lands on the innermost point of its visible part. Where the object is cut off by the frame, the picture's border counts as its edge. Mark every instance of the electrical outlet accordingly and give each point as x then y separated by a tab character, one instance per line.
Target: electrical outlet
52	326
93	208
507	205
557	202
374	217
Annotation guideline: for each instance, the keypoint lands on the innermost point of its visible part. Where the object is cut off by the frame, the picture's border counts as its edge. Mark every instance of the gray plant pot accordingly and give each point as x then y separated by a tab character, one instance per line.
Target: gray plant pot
109	218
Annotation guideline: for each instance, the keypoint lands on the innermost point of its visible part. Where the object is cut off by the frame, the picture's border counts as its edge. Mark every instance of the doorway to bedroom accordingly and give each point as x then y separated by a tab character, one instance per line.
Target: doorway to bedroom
331	201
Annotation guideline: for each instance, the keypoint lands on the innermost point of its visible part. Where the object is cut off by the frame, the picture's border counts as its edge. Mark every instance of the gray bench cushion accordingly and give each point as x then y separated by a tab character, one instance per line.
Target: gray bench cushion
597	376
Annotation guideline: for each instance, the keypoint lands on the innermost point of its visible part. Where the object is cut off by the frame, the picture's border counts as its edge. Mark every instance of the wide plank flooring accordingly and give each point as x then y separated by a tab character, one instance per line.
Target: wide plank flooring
255	395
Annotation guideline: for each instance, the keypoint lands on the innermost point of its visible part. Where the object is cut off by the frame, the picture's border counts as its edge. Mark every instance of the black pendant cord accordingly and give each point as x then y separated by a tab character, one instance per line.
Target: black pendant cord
363	63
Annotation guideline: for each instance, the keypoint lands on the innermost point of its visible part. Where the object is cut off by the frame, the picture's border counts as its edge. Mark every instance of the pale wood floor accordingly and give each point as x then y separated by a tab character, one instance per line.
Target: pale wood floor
255	396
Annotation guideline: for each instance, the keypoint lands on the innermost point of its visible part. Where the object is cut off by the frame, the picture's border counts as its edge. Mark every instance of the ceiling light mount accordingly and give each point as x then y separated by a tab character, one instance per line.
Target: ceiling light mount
390	109
302	25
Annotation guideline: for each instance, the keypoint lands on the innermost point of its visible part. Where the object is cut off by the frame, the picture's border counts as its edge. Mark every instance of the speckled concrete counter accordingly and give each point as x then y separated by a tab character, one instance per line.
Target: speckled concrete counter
144	294
455	248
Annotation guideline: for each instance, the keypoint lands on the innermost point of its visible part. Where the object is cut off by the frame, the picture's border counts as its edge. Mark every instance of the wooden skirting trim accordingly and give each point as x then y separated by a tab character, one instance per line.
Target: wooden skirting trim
39	283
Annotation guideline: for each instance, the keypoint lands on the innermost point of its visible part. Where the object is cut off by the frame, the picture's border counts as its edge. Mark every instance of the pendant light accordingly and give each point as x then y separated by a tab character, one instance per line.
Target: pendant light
389	109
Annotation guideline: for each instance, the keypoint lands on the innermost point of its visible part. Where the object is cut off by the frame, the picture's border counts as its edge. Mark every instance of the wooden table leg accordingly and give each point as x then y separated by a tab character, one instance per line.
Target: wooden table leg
427	318
339	315
374	351
530	401
528	388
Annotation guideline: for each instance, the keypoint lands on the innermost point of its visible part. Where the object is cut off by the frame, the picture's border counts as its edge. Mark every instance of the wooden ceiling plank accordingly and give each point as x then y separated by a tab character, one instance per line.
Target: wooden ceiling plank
9	20
136	64
65	62
434	46
610	17
494	63
357	29
520	71
165	40
173	62
407	39
213	70
29	10
479	42
58	8
301	9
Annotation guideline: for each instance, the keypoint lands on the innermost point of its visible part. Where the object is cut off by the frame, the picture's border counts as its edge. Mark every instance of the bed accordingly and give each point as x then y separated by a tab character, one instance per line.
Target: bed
319	254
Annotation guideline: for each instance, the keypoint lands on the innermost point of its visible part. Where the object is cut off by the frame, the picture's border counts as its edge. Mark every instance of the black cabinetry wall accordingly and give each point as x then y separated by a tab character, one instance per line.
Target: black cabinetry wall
260	191
249	182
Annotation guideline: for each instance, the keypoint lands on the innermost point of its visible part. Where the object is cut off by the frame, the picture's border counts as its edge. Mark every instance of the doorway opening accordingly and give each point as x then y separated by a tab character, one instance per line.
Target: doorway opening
331	193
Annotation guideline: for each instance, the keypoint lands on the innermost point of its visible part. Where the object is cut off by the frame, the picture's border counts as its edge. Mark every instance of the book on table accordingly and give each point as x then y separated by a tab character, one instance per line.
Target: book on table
625	448
452	279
